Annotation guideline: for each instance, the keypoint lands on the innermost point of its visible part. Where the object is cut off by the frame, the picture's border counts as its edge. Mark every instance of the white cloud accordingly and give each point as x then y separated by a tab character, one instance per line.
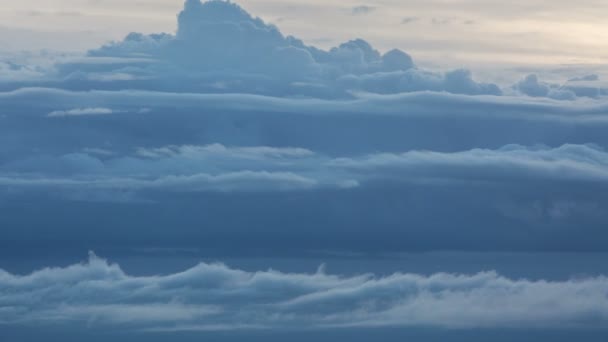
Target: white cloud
531	86
295	126
81	111
196	182
220	47
220	168
217	42
506	26
216	297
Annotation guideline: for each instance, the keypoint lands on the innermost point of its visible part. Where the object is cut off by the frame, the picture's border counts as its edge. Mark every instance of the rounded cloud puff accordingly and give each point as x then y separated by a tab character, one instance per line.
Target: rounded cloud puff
217	42
216	297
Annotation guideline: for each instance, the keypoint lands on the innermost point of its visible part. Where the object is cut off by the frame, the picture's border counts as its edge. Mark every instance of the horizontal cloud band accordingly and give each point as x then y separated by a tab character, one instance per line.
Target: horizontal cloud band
216	297
220	168
408	104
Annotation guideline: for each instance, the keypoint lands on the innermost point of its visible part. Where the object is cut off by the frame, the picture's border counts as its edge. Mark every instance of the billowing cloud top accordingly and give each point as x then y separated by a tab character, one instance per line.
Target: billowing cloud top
221	36
219	47
231	139
228	116
211	297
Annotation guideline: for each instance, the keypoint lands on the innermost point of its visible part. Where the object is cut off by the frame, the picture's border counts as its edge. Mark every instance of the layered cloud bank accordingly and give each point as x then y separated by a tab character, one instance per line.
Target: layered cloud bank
216	297
216	167
230	138
229	128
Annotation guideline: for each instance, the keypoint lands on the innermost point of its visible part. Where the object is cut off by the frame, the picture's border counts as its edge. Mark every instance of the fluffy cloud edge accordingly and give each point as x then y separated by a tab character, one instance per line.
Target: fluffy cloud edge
81	111
237	169
219	168
217	297
415	104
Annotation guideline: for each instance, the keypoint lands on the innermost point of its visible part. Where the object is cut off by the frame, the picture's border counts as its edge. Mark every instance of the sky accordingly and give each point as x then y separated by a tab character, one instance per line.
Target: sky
423	170
463	31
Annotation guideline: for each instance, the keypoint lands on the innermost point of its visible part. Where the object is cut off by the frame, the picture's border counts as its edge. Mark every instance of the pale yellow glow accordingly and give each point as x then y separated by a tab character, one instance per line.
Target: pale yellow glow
469	31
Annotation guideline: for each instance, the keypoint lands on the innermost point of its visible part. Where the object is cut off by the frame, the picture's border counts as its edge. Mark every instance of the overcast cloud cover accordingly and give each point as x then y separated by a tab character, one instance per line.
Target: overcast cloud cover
230	136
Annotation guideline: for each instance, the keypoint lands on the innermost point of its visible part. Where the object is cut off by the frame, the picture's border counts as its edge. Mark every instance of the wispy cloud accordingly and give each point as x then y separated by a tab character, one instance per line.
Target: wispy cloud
80	112
364	9
409	20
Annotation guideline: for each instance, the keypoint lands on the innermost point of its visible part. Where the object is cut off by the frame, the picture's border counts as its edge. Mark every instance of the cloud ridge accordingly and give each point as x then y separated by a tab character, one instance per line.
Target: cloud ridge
216	297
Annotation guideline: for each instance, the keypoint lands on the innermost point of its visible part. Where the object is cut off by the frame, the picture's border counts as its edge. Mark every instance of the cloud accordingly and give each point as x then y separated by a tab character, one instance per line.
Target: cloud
389	123
80	111
531	86
151	172
409	20
243	181
359	10
413	199
218	168
177	168
216	297
592	77
220	47
310	147
507	163
587	86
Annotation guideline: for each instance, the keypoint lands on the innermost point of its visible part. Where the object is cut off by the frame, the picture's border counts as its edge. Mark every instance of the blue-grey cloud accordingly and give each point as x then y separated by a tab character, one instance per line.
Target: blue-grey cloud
363	9
219	47
232	138
310	147
403	104
216	167
531	86
81	111
216	297
413	199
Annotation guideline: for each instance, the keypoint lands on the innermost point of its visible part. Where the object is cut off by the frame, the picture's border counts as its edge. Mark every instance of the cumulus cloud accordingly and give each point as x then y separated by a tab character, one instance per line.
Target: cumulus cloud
587	86
531	86
319	145
220	47
216	297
